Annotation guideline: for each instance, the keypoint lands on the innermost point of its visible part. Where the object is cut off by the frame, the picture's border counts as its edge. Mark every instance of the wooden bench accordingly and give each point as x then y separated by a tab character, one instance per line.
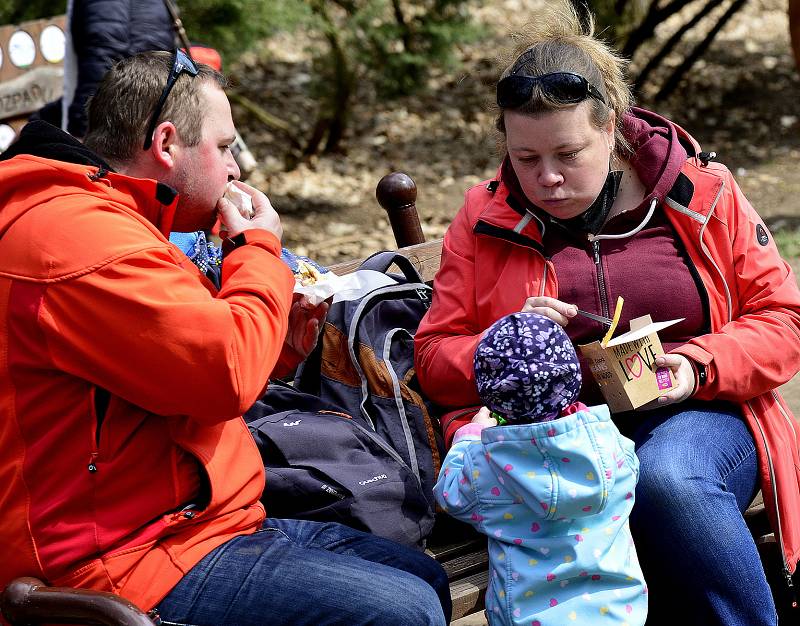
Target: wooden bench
460	549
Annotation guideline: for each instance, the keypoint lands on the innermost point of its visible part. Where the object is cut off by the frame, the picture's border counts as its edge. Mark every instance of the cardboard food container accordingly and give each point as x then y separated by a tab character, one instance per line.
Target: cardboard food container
626	368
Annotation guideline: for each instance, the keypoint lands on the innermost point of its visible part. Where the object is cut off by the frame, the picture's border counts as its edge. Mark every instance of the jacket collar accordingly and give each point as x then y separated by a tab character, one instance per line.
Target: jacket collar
505	216
154	201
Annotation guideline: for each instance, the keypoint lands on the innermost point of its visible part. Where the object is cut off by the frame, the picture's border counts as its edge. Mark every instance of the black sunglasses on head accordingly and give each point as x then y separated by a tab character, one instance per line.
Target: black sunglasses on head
182	63
563	87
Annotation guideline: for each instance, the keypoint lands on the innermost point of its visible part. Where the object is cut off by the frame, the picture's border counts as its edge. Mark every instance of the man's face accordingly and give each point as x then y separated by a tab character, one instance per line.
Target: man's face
202	171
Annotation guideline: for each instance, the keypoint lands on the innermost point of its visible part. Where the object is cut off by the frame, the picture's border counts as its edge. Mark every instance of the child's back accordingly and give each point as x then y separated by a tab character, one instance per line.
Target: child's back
553	496
554	499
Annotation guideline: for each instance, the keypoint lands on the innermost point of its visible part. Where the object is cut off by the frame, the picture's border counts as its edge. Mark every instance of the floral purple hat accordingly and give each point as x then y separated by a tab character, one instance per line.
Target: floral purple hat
526	368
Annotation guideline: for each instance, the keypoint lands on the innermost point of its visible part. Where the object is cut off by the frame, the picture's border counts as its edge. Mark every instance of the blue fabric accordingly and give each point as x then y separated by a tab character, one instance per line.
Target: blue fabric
327	466
291	259
203	253
554	499
296	572
526	368
699	472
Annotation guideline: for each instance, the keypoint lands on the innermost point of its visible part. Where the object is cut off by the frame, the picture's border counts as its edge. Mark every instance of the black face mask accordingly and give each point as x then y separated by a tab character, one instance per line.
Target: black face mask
593	218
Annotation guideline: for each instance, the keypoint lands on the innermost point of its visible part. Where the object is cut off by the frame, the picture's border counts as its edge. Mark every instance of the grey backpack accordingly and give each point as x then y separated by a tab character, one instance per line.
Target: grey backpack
364	363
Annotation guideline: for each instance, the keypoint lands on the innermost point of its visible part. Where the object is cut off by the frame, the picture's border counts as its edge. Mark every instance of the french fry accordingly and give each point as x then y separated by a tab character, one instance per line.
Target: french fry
614	322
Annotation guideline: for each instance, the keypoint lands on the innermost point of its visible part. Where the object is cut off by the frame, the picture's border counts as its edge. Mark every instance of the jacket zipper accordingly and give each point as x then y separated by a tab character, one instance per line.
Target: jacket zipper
601	279
787	574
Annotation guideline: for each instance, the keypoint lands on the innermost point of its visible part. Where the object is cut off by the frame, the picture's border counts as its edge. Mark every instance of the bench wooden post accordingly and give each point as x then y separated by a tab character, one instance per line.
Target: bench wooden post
397	194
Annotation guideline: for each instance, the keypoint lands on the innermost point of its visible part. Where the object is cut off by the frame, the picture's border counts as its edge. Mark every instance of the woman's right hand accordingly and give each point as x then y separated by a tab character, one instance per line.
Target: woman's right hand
558	311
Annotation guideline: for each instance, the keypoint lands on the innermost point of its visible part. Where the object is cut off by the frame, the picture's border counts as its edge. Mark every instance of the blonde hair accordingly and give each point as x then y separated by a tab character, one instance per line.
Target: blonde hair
557	41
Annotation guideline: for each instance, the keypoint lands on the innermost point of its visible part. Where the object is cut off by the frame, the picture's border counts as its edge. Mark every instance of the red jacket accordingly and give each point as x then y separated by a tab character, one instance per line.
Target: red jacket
122	378
488	270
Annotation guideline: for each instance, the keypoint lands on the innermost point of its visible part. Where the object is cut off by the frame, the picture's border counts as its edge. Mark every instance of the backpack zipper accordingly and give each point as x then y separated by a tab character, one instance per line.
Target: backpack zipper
398	398
353	328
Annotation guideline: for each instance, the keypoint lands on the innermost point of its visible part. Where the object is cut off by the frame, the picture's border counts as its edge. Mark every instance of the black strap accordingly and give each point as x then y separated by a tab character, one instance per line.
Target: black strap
381	261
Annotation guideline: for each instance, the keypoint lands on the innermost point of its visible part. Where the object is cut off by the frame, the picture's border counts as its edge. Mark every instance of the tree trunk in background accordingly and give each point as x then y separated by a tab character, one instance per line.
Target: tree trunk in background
794	29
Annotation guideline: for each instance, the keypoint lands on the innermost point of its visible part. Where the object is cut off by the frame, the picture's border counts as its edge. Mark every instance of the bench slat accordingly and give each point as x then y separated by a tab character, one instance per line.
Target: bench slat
468	593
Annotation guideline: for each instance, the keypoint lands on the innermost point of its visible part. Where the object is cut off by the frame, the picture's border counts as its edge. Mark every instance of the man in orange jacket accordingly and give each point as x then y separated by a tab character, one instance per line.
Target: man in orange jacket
123	374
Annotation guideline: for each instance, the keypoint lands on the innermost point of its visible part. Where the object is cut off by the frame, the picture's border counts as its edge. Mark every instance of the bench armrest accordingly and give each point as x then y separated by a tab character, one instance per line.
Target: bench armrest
29	601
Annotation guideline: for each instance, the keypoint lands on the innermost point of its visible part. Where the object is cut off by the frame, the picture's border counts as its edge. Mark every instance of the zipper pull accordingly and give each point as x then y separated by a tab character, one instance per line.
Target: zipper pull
790	585
596	248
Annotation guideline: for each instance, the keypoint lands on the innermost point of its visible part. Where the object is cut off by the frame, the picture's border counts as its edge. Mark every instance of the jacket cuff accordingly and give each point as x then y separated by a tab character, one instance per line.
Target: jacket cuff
261	236
468	431
700	361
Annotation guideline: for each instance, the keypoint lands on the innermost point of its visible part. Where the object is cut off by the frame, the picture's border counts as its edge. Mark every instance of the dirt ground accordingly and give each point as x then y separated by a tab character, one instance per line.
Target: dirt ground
742	100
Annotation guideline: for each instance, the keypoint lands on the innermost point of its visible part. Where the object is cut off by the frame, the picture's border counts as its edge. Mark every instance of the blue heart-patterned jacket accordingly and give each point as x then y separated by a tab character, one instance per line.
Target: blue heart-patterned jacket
554	499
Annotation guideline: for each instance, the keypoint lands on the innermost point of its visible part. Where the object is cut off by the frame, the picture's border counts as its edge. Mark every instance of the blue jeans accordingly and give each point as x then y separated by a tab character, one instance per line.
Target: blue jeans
297	572
698	474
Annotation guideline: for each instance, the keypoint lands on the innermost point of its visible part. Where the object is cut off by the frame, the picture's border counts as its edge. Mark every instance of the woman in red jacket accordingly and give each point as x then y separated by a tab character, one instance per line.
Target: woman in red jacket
597	199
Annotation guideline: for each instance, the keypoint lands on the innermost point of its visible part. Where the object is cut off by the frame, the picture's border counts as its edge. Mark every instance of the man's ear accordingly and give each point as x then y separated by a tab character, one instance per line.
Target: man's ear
166	145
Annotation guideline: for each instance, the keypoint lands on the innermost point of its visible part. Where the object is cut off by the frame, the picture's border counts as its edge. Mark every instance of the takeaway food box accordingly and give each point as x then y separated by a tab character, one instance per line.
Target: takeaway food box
625	366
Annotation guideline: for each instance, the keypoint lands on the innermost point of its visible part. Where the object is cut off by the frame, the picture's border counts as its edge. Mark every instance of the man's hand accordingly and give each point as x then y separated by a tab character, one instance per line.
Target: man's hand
558	311
305	321
265	216
683	372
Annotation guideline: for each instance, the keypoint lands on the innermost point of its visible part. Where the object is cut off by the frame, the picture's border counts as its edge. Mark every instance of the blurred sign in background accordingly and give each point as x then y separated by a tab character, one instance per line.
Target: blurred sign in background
31	71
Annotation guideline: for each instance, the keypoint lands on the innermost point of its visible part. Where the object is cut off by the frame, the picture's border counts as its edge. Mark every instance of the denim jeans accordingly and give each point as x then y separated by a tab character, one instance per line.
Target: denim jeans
297	572
698	474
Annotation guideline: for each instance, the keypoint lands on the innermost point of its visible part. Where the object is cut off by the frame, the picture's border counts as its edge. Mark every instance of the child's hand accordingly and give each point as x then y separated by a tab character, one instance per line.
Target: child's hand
484	418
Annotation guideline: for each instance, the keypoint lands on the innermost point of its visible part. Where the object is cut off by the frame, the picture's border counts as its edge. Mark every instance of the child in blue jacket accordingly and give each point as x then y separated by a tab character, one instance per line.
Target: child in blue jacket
552	486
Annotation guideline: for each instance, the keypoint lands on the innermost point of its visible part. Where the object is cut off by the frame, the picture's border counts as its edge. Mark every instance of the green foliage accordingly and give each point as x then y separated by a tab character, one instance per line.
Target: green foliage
391	45
232	26
16	11
788	242
396	43
615	19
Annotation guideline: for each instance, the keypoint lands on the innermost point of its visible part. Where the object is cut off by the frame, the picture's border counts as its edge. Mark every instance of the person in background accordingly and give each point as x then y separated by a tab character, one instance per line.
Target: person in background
100	33
125	464
596	199
552	486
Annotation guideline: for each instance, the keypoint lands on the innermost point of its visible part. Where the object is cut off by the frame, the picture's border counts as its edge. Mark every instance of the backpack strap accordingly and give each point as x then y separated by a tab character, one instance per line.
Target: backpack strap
381	261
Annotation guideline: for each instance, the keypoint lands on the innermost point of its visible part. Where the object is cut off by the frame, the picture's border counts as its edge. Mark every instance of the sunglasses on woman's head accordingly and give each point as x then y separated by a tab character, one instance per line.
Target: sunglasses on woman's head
182	63
563	87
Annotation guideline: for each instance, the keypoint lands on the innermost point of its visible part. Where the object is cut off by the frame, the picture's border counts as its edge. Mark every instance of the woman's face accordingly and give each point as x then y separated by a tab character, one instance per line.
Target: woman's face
560	158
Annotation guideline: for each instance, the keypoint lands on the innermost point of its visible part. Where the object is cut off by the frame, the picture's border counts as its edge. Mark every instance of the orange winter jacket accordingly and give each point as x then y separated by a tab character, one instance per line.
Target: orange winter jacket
123	376
492	262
